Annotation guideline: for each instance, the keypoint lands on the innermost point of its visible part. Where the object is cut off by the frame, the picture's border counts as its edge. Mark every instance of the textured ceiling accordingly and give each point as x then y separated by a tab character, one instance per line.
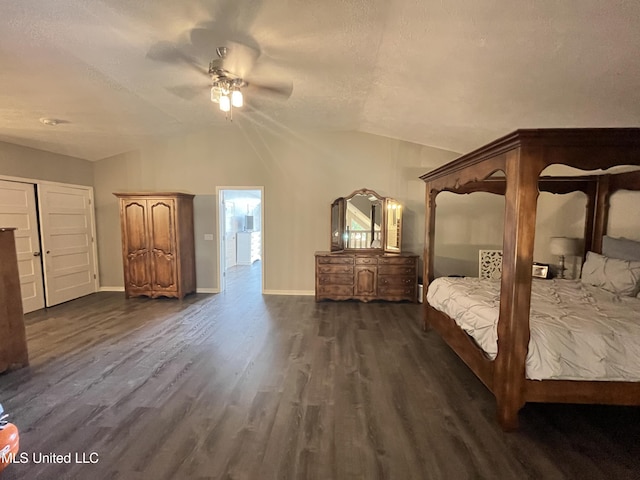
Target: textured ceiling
452	74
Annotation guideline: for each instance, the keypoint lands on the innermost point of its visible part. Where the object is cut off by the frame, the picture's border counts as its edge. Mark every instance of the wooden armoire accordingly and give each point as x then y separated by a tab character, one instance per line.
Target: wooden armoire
13	340
158	250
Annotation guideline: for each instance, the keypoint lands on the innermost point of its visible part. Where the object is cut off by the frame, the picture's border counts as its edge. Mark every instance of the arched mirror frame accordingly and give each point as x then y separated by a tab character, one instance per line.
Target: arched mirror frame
386	213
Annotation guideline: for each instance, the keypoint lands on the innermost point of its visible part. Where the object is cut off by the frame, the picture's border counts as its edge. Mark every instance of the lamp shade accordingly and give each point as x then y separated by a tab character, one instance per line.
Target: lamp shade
563	246
225	103
236	98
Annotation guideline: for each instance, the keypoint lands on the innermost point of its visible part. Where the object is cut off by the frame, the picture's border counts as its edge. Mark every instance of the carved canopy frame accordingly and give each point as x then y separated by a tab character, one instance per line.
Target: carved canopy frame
522	156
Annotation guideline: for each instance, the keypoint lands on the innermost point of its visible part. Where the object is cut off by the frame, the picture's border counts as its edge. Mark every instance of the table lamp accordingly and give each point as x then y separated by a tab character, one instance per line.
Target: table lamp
563	247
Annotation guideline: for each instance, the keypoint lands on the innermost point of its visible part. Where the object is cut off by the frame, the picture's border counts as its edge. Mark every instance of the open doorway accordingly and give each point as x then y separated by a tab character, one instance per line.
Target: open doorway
240	249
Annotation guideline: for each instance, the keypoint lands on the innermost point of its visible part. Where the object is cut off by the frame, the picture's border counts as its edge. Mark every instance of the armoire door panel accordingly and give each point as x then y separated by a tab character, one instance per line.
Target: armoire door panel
134	222
164	272
138	270
163	238
162	226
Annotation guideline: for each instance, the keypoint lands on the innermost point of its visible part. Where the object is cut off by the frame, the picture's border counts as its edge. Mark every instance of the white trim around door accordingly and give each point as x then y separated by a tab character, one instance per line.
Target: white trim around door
221	244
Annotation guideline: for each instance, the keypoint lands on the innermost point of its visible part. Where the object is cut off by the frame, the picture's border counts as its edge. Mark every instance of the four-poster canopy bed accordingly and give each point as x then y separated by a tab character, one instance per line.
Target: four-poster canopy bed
522	156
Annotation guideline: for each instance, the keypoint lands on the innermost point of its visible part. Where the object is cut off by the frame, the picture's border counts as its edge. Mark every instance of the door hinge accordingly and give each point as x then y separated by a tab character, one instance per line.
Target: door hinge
94	276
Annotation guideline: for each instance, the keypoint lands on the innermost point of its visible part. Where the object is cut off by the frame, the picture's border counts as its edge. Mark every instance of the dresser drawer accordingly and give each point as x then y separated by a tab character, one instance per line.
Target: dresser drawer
344	290
396	280
395	293
366	261
396	270
335	268
397	261
366	275
335	260
335	279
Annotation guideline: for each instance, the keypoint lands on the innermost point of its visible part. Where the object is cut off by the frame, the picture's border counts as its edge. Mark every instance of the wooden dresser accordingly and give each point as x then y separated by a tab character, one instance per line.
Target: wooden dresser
13	340
366	276
158	249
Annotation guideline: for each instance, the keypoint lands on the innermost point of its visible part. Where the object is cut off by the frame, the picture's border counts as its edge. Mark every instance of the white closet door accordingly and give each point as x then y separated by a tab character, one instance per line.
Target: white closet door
18	209
66	218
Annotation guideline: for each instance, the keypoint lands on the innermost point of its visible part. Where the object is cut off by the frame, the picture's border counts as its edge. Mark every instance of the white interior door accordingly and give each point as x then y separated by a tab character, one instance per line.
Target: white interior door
66	218
18	209
230	248
222	235
229	234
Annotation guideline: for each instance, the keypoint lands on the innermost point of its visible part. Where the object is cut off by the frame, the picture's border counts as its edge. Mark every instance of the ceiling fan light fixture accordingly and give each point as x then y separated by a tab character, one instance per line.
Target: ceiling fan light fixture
225	103
236	98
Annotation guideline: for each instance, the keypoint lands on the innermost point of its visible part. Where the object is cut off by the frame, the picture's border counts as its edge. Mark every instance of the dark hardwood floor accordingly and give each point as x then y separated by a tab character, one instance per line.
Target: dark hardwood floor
244	386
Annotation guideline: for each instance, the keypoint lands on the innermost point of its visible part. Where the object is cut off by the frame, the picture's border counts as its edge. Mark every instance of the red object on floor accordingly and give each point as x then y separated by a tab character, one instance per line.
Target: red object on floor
9	444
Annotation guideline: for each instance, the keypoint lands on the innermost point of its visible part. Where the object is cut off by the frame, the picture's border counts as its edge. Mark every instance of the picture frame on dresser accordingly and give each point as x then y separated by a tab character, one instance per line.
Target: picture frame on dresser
540	271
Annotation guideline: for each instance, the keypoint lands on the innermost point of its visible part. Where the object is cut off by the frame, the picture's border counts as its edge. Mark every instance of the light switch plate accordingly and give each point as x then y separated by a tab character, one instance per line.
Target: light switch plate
208	236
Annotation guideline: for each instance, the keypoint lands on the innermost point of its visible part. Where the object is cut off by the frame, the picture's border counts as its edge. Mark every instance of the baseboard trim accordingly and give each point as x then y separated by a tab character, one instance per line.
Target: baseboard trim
111	289
121	289
207	290
289	292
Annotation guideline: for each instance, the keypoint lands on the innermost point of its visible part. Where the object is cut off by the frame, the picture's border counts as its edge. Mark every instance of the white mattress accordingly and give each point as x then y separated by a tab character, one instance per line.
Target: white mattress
578	332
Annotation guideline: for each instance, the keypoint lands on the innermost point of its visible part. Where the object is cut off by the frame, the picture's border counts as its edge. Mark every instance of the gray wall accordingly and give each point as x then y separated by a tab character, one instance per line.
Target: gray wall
17	161
468	223
301	172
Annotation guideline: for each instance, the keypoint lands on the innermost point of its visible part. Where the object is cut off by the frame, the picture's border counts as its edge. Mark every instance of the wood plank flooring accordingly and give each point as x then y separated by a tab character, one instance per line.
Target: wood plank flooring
244	386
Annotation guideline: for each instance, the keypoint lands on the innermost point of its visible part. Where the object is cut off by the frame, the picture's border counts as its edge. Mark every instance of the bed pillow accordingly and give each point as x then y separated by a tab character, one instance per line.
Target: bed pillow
621	248
612	274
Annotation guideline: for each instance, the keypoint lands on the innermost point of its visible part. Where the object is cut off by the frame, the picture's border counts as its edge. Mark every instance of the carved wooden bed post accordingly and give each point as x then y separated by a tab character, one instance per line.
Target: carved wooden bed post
522	170
601	214
590	217
429	244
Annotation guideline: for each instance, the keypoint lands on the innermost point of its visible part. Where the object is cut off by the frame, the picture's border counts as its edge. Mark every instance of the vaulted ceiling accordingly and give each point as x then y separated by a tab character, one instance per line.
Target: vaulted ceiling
452	74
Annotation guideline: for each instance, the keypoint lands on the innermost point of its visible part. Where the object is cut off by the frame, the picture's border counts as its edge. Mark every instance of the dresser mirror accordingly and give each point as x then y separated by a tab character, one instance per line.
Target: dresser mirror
394	226
365	220
337	220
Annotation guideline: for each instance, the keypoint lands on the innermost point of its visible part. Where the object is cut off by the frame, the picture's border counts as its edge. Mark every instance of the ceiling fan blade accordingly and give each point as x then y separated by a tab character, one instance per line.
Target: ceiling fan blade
278	90
241	53
189	92
167	52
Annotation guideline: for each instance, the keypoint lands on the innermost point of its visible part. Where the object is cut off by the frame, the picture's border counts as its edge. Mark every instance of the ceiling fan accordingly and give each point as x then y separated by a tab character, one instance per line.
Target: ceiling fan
226	87
228	83
237	70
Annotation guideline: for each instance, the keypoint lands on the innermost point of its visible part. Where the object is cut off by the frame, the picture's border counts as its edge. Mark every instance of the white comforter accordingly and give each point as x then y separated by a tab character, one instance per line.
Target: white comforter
578	332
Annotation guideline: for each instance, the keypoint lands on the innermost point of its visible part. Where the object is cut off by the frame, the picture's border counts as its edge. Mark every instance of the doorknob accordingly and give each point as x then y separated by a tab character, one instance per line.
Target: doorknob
36	254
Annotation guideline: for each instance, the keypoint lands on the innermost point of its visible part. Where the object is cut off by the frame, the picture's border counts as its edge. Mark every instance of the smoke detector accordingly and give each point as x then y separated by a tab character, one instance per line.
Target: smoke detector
50	122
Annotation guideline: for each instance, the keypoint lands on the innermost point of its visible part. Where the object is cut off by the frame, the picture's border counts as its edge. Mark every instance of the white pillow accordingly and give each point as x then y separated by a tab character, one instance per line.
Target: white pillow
617	276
